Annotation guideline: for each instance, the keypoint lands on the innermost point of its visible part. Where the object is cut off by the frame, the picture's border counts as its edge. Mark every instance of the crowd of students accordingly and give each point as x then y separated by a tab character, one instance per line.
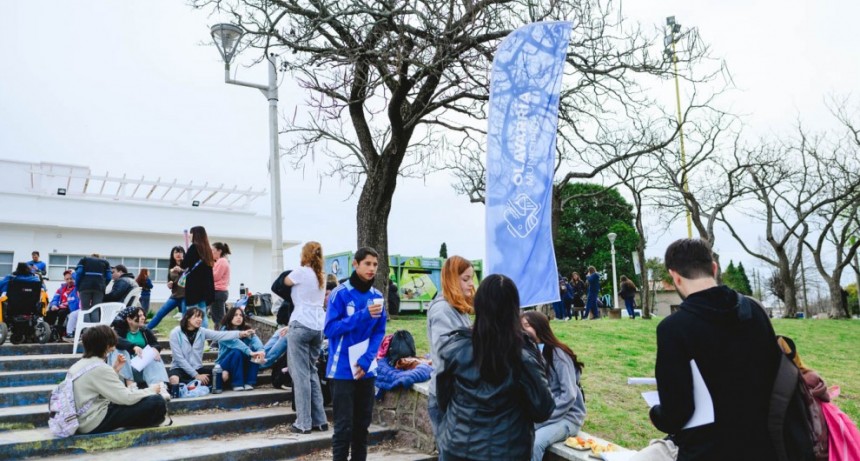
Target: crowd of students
499	374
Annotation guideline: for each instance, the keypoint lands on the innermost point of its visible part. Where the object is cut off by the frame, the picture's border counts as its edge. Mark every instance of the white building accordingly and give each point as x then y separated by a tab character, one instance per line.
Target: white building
65	212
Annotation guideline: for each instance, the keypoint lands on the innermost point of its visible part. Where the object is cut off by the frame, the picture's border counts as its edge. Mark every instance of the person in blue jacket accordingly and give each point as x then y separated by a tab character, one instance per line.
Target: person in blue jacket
22	274
240	358
355	320
37	267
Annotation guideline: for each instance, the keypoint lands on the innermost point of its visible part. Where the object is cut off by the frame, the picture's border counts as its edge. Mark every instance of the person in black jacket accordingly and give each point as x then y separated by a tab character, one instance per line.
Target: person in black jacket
132	339
731	342
91	277
123	283
491	386
628	294
197	264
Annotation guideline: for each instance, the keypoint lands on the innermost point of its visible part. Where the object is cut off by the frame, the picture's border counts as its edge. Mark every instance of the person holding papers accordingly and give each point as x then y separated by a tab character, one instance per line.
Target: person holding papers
132	338
355	325
305	338
716	363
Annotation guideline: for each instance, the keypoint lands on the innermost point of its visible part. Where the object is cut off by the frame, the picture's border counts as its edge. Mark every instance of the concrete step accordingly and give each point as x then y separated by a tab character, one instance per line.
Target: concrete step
33	416
274	444
40	443
9	349
38	394
56	361
41	377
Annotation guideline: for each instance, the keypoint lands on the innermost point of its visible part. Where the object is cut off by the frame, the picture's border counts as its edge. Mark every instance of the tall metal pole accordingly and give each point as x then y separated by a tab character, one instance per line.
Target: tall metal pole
684	183
614	278
270	91
275	170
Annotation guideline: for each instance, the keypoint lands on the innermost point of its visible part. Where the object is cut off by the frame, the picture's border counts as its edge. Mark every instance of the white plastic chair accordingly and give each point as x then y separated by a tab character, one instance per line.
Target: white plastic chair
133	297
108	312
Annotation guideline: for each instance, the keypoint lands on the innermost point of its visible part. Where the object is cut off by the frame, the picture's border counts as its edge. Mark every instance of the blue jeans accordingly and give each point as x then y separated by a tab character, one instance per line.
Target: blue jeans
144	304
548	435
153	373
558	308
275	347
591	307
302	356
242	370
629	304
165	309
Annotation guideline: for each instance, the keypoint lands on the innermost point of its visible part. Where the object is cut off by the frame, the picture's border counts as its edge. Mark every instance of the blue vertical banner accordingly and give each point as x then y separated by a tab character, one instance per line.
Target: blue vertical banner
523	119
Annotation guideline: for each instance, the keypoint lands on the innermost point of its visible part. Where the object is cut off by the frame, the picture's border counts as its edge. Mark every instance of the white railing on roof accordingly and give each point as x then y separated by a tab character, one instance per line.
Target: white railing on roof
77	181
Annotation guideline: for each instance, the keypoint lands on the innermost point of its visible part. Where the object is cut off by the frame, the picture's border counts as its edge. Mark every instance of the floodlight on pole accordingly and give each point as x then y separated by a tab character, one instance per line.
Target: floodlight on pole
669	41
226	37
612	236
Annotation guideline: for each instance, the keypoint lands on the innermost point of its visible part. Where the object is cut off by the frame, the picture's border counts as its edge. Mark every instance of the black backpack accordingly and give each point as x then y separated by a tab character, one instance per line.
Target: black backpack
402	345
285	292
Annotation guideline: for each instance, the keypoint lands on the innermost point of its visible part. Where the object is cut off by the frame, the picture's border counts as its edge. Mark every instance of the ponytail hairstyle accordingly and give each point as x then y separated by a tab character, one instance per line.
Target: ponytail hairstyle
312	257
222	247
497	336
540	323
451	290
201	241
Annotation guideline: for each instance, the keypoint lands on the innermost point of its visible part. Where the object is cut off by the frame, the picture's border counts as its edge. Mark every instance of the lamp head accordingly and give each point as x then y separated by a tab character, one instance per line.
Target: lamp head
612	236
227	38
670	21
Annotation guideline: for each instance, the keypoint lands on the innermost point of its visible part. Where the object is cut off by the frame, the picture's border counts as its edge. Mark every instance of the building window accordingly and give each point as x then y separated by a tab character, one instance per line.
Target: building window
6	258
157	267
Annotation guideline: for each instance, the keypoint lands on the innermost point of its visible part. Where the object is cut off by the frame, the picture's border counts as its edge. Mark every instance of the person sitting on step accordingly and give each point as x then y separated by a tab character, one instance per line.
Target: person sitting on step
133	337
239	358
113	404
187	343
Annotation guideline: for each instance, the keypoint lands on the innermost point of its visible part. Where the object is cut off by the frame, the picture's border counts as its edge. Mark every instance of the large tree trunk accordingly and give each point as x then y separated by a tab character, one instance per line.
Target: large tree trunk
374	207
838	308
790	288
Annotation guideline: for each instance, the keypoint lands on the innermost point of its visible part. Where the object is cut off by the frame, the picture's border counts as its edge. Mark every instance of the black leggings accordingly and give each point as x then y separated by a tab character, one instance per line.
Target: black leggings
147	413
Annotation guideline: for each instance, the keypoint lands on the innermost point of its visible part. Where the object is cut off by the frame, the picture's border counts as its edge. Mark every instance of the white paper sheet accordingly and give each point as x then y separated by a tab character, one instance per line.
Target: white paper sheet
148	356
642	381
617	455
355	353
704	411
651	397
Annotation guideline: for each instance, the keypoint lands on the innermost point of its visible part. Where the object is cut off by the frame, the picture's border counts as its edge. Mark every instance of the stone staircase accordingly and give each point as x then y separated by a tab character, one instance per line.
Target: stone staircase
248	425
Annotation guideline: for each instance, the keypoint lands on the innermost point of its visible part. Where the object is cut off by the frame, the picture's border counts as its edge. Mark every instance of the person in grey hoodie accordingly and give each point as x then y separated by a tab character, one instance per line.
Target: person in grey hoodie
447	313
565	370
187	342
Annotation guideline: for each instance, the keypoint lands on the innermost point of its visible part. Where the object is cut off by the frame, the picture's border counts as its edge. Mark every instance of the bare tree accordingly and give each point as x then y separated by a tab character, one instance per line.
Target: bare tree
385	79
608	113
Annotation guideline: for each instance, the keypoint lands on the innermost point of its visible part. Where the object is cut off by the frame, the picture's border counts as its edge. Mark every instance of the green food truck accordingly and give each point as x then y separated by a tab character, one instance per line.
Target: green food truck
418	279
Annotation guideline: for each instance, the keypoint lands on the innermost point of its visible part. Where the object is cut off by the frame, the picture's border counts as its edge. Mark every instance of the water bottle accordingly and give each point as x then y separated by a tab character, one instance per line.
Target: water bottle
242	290
217	380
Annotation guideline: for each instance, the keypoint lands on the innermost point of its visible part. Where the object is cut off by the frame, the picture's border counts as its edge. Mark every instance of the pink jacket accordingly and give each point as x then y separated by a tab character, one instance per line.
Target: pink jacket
221	274
844	443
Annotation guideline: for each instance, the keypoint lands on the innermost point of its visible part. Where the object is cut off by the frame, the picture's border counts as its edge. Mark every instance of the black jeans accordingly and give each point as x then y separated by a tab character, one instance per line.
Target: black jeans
218	308
148	412
352	405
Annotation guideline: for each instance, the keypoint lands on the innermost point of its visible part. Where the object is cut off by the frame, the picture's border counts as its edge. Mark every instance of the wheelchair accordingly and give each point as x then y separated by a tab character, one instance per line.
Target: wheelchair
22	314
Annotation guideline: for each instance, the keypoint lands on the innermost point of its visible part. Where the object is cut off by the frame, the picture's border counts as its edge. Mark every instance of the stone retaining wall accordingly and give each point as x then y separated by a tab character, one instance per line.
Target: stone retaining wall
406	411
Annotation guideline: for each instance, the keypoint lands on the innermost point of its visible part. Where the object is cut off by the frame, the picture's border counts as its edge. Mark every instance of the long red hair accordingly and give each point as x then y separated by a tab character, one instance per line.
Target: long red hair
451	290
312	257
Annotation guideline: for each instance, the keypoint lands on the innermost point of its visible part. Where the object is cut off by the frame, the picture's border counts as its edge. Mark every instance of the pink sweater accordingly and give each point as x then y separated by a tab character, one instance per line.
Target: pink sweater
221	273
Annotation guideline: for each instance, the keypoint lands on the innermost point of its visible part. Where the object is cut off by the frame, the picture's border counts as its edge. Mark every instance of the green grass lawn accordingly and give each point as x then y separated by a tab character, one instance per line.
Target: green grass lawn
613	350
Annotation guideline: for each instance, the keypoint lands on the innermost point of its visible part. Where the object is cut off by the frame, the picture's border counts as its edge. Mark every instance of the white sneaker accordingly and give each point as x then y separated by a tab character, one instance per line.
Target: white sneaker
238	388
249	387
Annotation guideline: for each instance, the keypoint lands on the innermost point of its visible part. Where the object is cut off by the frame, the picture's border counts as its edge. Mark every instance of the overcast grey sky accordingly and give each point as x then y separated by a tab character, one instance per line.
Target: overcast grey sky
130	87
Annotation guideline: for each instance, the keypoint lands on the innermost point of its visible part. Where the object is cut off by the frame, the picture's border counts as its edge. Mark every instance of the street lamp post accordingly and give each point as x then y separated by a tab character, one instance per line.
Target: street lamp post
227	38
669	42
612	236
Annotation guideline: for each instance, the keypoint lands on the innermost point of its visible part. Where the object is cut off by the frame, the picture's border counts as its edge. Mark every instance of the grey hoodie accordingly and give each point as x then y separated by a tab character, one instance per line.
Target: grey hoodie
189	356
569	404
441	320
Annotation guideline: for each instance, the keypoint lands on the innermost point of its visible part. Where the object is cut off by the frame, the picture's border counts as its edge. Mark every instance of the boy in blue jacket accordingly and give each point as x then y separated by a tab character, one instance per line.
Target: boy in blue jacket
355	319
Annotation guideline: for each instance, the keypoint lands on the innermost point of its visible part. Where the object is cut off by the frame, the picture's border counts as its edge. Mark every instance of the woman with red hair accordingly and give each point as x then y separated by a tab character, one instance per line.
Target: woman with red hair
448	312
